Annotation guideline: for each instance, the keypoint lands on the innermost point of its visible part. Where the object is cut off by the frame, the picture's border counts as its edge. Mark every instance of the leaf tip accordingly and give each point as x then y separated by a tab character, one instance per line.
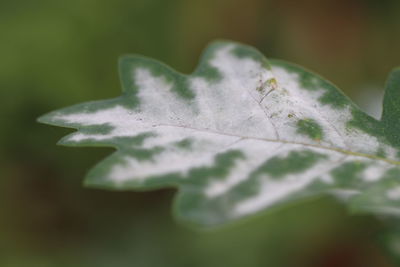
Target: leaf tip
47	118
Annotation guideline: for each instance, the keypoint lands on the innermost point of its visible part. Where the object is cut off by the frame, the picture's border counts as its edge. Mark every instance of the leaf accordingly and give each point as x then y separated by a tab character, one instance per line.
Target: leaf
238	136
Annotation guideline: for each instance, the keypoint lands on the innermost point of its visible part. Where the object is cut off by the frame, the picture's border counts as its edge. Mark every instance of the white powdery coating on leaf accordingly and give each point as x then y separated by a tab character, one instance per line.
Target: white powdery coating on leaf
230	105
375	171
344	194
255	152
166	162
394	193
291	103
327	178
220	114
274	190
158	103
304	103
243	75
201	152
119	118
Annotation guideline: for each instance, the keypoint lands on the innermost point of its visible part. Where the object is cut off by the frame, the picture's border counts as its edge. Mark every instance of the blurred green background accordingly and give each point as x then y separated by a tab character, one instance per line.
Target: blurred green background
54	53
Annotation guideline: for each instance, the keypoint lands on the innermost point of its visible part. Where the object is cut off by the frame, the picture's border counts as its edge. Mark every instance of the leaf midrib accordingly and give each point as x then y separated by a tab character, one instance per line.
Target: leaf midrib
339	150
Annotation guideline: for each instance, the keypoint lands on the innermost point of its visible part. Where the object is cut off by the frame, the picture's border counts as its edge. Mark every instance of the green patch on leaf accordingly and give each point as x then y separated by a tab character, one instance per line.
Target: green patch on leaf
348	174
310	128
295	162
184	144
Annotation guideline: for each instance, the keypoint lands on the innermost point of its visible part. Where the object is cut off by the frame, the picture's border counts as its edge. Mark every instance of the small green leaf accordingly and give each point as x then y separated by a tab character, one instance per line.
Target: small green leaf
239	136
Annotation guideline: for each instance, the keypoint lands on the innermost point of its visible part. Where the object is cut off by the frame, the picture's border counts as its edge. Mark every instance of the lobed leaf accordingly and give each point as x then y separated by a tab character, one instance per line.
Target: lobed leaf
238	136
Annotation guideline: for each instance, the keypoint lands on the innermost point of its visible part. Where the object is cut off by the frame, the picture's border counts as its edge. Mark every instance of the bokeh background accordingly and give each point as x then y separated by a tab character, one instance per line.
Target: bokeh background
54	53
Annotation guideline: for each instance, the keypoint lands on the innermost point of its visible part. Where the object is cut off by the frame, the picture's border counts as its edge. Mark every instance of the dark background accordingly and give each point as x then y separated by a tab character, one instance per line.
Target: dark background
54	53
